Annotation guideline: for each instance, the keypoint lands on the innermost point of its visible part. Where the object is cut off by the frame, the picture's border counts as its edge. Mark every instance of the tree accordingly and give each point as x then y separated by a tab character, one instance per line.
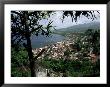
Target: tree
23	25
26	23
93	39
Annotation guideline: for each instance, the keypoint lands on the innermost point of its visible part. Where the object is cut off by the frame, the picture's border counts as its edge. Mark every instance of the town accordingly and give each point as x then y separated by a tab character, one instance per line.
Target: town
65	50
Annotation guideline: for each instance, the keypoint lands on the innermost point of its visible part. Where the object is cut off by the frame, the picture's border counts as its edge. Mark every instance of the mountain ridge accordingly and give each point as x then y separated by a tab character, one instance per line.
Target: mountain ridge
80	27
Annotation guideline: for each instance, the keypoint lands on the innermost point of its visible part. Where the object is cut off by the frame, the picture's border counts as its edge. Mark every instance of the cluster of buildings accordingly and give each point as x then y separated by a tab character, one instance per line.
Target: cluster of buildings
55	51
64	49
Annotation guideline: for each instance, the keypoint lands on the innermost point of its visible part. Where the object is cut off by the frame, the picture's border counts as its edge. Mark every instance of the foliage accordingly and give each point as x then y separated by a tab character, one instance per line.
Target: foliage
30	19
19	60
73	67
93	39
19	57
17	72
75	14
90	40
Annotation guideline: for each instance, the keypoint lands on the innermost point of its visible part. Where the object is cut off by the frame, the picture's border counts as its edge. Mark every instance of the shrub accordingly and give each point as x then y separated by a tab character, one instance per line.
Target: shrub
73	67
19	59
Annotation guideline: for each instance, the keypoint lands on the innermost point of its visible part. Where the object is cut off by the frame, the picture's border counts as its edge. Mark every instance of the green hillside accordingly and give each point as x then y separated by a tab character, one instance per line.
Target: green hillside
78	28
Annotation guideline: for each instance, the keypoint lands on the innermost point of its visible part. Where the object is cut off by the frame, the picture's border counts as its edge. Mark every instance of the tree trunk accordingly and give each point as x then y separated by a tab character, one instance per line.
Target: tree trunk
29	47
30	54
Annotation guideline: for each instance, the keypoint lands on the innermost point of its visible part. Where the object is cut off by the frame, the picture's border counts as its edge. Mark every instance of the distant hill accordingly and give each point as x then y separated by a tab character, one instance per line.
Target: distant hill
80	27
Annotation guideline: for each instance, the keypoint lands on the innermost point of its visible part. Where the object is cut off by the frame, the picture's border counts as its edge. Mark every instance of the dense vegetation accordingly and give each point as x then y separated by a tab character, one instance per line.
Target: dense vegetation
19	63
74	68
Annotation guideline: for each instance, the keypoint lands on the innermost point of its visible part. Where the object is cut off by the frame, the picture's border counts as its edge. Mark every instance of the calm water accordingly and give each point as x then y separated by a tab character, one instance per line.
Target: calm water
40	41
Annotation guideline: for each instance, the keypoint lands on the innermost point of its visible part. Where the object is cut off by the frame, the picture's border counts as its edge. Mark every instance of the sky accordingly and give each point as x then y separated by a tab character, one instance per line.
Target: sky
57	22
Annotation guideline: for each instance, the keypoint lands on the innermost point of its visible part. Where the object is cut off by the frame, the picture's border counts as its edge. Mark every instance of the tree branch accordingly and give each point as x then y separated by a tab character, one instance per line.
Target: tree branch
39	54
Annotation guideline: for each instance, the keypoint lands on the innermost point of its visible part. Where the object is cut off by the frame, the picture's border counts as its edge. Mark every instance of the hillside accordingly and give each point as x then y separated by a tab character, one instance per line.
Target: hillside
79	28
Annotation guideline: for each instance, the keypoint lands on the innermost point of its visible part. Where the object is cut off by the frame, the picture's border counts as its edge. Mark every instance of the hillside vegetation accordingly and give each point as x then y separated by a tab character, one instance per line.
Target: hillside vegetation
78	28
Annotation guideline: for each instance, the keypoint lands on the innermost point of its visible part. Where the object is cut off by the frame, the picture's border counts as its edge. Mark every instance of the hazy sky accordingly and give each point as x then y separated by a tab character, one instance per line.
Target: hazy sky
56	18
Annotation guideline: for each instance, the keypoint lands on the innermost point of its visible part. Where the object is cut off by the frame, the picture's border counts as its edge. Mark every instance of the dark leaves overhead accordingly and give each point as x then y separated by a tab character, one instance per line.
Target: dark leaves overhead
21	19
75	14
